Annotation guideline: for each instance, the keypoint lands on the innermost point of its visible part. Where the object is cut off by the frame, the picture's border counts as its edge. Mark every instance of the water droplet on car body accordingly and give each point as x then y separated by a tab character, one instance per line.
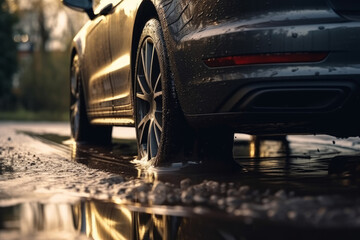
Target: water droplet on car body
274	74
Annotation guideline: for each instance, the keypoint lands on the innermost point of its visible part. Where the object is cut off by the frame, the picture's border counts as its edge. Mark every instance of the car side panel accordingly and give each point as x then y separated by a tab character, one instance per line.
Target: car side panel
96	56
121	34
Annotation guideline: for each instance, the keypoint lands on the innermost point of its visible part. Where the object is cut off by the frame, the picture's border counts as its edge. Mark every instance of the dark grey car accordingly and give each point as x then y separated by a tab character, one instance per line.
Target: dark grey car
189	73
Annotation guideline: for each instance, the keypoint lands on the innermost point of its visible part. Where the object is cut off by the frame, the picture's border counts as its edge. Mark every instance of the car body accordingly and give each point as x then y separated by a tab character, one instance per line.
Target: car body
258	67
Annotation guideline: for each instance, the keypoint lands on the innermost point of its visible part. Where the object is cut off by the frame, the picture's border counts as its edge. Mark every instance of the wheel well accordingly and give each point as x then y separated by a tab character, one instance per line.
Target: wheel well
146	12
73	53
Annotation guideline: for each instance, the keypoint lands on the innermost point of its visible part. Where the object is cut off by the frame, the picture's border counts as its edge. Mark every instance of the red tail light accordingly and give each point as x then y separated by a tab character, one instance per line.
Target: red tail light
265	59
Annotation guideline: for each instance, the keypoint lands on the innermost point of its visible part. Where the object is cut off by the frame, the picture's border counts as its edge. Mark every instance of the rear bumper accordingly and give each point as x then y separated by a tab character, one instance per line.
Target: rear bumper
297	97
204	90
292	96
330	107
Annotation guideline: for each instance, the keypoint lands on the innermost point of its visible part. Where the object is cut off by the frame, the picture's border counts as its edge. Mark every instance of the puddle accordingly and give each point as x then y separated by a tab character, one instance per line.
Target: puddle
93	219
292	187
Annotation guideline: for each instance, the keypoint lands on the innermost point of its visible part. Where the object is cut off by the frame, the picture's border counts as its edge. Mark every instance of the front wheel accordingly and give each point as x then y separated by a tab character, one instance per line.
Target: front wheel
81	129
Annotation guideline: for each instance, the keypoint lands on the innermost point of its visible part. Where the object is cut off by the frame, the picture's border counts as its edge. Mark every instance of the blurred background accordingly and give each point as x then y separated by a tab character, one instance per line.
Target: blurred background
35	38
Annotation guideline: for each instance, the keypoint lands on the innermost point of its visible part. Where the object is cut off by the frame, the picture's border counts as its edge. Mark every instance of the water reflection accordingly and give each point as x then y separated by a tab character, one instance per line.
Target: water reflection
316	165
271	152
101	220
38	221
93	219
305	164
296	156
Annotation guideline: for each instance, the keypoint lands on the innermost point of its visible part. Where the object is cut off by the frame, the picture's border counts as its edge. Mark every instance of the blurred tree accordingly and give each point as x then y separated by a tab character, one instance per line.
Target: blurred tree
43	83
8	62
44	31
49	25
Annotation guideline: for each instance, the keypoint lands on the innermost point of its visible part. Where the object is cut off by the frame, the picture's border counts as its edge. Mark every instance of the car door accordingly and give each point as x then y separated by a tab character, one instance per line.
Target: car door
97	58
120	34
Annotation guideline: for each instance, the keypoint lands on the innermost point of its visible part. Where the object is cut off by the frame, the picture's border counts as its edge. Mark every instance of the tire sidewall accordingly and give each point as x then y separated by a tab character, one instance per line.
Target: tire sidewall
75	71
171	139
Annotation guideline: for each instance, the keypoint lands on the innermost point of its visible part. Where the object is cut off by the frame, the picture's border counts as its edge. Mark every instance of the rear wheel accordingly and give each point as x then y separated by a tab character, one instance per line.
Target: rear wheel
81	129
163	135
149	100
158	118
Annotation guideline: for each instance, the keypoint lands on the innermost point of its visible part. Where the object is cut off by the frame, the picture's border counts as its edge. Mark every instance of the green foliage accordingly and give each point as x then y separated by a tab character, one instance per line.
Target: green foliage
44	84
25	115
41	86
8	61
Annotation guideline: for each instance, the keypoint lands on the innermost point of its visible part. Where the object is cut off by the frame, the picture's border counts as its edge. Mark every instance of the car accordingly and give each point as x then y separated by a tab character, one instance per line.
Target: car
188	74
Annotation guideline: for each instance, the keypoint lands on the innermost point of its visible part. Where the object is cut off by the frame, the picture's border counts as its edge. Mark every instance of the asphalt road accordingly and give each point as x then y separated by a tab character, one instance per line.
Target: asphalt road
287	187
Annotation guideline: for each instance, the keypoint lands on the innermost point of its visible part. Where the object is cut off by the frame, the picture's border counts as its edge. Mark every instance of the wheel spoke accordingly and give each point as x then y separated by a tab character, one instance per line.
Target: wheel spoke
142	97
153	141
158	81
73	107
148	61
74	75
158	125
144	120
143	61
149	142
151	65
144	66
158	94
141	85
157	134
142	129
73	86
72	116
148	55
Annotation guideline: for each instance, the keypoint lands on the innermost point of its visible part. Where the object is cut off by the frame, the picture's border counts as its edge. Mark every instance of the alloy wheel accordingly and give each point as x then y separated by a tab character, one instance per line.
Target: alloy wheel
74	97
149	103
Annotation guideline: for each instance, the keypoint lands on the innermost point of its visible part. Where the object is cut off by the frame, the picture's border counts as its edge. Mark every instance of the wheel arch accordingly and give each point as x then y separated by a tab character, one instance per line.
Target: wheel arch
145	12
164	12
76	51
73	52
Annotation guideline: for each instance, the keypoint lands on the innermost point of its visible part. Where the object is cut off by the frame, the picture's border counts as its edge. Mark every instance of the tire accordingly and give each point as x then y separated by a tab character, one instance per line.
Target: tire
81	129
163	135
155	99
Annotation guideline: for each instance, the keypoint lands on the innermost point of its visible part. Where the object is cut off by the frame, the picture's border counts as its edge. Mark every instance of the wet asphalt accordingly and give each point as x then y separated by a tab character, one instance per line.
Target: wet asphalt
278	187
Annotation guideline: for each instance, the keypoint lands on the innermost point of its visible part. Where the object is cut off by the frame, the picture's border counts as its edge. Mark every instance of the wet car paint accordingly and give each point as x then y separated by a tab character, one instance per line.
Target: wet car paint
289	187
195	31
